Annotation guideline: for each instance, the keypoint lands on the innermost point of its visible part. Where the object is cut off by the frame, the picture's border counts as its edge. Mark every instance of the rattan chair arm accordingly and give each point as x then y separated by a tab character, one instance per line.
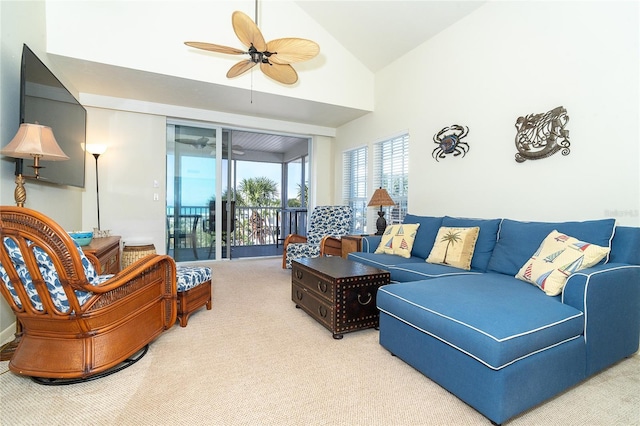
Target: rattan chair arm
95	262
330	246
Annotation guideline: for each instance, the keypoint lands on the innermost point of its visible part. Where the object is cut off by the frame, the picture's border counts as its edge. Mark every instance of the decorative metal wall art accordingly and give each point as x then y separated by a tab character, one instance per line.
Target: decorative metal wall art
542	135
449	141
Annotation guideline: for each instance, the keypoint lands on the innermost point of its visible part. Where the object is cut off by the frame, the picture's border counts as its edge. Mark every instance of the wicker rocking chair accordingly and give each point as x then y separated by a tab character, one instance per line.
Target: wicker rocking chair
75	323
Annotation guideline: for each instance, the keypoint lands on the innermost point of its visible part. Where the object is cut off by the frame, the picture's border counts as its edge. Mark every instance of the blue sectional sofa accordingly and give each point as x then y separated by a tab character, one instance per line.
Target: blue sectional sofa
499	343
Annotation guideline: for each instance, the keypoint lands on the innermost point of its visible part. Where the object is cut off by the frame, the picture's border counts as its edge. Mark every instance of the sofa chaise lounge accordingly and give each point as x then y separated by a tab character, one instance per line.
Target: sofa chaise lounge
499	343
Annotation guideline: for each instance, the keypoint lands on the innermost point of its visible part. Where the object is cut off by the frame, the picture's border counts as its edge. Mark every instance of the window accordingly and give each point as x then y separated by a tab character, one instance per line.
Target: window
354	192
391	171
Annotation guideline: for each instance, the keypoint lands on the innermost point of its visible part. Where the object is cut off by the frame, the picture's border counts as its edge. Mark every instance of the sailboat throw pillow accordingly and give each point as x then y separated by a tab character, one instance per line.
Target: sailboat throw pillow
398	239
559	256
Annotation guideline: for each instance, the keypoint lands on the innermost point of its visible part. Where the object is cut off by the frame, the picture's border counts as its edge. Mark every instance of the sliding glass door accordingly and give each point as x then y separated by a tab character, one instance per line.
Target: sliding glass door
197	178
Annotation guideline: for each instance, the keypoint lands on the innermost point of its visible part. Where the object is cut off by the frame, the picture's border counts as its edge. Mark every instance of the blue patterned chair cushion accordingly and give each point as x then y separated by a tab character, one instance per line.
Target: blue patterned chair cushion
325	220
188	277
50	276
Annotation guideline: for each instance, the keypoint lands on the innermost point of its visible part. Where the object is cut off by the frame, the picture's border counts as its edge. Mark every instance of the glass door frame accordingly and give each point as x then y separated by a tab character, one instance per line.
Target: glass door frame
219	181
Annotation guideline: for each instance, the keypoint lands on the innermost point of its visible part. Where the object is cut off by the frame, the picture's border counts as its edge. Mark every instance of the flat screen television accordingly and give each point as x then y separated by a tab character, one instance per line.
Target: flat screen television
43	99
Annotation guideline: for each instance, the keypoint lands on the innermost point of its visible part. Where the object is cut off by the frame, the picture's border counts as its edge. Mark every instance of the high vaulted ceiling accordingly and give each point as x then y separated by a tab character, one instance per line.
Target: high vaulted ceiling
376	32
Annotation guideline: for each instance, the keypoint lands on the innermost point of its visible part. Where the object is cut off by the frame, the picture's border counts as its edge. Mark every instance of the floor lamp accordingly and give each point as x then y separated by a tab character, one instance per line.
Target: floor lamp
37	142
97	150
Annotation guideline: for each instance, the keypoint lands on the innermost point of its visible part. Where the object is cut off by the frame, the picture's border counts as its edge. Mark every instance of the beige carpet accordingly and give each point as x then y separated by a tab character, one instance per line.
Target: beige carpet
256	360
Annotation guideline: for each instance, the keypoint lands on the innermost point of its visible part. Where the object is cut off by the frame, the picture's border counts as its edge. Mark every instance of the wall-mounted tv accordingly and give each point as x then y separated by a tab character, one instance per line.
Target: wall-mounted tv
43	99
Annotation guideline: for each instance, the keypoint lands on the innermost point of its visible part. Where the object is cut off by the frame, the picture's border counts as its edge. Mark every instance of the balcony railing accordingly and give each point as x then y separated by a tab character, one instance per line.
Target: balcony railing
253	226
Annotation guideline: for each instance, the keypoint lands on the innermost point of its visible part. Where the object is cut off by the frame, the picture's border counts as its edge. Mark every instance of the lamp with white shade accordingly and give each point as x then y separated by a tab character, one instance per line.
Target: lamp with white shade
32	141
37	142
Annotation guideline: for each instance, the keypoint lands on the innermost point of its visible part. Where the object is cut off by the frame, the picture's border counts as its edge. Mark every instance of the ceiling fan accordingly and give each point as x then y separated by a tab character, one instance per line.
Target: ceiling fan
275	57
203	142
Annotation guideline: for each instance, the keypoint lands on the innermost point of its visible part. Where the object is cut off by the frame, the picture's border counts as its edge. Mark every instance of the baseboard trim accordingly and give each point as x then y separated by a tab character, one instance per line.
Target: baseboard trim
7	334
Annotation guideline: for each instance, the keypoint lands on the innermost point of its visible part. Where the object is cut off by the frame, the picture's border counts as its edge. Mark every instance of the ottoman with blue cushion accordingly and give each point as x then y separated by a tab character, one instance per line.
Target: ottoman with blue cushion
194	290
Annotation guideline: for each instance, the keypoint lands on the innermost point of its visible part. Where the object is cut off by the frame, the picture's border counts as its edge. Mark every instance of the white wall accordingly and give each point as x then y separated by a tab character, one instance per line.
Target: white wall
63	204
149	36
506	60
133	161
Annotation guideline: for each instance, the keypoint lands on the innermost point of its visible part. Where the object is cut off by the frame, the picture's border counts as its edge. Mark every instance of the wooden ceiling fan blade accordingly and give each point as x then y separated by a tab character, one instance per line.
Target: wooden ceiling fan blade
290	50
247	31
214	47
285	74
240	68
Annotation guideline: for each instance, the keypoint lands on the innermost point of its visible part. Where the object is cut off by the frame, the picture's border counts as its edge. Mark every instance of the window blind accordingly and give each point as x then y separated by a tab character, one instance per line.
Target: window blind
391	171
354	190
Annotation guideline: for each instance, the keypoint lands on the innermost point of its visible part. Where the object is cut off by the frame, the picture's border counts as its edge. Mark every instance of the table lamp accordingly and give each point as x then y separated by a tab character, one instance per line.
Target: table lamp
32	141
381	198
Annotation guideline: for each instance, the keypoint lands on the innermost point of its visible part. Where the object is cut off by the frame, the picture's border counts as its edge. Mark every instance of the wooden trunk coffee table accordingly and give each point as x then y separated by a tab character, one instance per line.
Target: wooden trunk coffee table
339	293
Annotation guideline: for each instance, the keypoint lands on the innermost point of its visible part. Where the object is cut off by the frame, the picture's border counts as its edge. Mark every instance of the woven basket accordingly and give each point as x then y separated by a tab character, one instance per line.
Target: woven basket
132	253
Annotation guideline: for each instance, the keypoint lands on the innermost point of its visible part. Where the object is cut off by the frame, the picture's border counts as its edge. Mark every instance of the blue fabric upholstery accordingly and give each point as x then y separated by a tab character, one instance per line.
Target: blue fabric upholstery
625	247
422	271
609	296
334	221
49	275
382	260
404	269
426	235
486	238
497	394
499	343
517	241
496	319
188	277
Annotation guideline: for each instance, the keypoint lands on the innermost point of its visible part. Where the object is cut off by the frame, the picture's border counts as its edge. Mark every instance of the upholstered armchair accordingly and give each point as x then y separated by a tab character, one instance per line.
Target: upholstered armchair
75	322
325	225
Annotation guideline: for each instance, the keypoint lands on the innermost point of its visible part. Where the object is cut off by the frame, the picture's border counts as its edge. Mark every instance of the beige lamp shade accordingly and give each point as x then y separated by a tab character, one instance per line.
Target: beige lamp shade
381	198
34	140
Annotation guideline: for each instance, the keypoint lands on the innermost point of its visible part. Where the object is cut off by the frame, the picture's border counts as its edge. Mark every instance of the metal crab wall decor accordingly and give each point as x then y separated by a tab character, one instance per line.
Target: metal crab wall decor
449	141
542	135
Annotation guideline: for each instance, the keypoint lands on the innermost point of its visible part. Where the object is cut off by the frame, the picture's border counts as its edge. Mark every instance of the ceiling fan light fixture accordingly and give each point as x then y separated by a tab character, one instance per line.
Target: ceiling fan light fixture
275	58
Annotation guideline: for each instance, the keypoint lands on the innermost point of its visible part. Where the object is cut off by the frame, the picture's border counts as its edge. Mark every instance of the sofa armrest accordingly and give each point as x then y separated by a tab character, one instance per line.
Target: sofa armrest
370	243
609	296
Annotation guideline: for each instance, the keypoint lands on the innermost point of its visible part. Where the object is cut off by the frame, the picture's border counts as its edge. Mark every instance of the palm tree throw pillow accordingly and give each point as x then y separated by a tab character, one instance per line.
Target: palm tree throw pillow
454	247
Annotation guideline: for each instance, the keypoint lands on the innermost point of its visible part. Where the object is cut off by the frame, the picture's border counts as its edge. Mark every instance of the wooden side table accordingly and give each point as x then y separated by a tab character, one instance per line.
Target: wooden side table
351	243
107	250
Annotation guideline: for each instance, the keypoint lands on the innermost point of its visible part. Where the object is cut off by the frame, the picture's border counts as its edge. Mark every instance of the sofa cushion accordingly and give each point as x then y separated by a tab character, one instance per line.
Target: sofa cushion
494	318
382	261
49	275
486	238
188	277
559	256
398	239
518	240
454	247
426	234
405	272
